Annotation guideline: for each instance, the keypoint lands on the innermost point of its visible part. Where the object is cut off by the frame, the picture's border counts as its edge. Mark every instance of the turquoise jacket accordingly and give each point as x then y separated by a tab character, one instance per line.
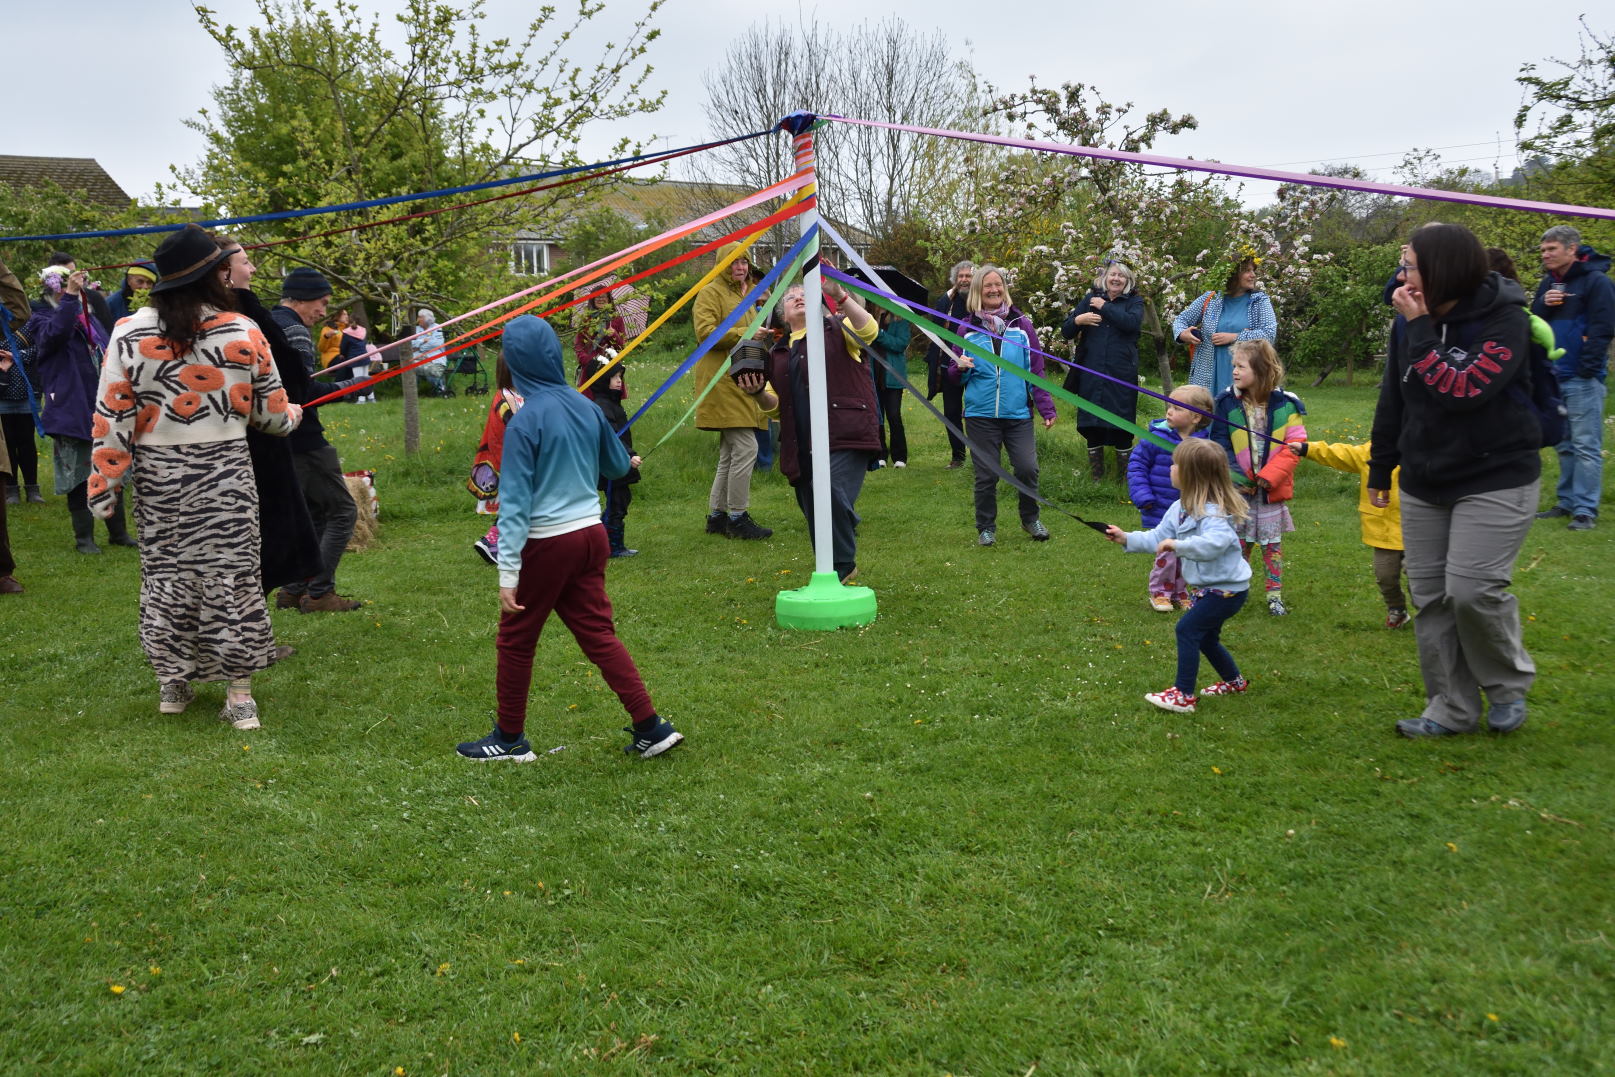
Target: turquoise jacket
557	447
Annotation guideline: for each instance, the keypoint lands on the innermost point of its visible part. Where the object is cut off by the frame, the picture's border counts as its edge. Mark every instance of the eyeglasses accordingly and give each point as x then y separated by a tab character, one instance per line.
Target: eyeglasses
1403	267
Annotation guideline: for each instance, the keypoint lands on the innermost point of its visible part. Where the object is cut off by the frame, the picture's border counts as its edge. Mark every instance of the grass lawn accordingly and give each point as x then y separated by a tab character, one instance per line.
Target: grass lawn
956	841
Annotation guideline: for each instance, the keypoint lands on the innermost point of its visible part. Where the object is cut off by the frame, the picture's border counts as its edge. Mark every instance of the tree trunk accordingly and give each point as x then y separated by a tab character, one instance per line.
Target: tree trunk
412	400
1163	348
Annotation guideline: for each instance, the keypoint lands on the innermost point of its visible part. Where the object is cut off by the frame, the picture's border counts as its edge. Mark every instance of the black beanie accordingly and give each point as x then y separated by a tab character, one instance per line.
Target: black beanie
304	283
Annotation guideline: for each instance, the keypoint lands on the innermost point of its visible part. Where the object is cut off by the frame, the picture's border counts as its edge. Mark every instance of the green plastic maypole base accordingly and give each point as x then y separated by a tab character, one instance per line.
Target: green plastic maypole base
824	603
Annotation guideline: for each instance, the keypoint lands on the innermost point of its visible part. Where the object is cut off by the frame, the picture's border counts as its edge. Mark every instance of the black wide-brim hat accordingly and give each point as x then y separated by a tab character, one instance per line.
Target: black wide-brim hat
184	256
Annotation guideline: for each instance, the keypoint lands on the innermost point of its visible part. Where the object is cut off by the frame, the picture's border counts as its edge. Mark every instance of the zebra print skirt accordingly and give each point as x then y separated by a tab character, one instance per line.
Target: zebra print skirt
202	613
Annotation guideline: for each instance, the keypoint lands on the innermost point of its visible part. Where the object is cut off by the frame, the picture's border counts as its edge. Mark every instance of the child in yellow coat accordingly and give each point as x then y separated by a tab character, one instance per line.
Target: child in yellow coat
1382	527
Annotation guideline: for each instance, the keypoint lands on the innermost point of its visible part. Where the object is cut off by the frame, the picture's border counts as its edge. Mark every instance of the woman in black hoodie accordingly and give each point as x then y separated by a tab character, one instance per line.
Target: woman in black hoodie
1455	412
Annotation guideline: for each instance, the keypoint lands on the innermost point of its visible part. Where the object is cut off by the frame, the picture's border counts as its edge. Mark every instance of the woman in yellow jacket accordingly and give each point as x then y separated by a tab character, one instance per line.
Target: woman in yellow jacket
727	409
1382	527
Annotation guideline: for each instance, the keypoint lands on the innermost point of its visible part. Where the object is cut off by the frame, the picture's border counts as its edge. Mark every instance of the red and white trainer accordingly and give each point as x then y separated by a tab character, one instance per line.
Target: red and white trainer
1170	699
1226	688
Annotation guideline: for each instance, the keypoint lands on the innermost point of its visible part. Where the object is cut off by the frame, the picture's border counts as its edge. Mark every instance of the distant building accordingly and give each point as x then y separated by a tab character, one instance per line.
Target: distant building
70	173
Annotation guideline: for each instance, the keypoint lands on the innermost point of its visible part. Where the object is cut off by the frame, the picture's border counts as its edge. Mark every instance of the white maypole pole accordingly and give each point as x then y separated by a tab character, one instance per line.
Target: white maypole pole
825	602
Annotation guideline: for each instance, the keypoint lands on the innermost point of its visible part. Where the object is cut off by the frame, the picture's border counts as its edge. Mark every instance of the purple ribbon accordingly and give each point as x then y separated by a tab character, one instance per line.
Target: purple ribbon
1251	171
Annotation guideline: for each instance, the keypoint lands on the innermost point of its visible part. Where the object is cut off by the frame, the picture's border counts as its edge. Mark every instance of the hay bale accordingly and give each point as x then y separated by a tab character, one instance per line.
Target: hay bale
362	488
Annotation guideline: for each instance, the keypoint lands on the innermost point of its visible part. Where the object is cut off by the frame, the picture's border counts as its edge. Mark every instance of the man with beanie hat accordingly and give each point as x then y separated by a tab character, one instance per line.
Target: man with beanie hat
304	295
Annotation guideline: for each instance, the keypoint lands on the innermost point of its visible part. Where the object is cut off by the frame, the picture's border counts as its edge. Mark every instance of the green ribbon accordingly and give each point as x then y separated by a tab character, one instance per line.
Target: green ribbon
762	315
979	353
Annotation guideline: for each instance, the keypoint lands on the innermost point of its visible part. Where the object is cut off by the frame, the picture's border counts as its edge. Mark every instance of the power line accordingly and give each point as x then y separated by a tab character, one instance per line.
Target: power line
1388	153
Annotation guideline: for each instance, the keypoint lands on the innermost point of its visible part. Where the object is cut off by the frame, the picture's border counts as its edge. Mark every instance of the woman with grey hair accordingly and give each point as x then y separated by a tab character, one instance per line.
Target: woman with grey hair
943	377
1105	325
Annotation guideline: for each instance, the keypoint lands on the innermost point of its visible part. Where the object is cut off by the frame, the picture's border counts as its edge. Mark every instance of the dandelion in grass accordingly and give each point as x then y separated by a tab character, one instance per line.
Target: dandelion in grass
1216	770
1337	1043
1493	1018
515	1037
156	970
443	968
1451	847
118	989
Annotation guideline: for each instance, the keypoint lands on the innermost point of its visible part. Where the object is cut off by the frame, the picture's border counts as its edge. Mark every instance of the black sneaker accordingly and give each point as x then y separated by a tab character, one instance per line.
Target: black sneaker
1555	513
744	527
1582	523
1038	532
493	747
717	523
657	740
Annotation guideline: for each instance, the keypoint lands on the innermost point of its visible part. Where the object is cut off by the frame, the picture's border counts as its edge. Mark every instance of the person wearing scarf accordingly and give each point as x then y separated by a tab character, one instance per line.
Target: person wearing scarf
68	346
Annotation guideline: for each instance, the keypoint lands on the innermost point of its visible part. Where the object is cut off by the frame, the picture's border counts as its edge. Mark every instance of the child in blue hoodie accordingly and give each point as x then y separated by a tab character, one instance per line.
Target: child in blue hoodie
553	548
1149	484
1199	528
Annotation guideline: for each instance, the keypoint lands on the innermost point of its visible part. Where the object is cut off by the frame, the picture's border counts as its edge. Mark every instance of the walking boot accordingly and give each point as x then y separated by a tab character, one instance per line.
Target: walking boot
84	531
117	529
1096	464
1123	458
32	495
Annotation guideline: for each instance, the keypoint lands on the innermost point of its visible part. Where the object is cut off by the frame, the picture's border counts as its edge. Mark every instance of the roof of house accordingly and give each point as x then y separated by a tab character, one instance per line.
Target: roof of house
71	173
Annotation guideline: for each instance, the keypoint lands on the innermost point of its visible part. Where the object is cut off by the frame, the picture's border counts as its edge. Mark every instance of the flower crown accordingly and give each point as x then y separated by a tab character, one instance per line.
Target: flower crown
1224	269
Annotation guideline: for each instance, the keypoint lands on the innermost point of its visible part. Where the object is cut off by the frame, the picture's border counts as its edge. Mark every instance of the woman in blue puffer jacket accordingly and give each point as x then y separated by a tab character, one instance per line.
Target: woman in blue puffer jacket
998	402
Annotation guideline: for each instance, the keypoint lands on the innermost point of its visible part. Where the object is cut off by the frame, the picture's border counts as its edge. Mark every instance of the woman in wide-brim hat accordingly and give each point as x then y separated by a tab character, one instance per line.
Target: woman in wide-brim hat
183	379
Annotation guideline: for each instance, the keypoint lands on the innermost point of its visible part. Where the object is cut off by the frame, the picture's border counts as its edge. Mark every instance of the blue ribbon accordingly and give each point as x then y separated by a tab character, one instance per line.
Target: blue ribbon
745	309
371	202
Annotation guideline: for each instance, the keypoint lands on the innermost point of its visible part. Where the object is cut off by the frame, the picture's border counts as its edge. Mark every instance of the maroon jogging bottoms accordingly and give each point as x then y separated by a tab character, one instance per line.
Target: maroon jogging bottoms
566	574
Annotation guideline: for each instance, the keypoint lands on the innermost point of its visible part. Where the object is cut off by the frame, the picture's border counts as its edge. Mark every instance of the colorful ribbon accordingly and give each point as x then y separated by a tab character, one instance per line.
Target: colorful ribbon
371	202
590	272
1248	171
723	327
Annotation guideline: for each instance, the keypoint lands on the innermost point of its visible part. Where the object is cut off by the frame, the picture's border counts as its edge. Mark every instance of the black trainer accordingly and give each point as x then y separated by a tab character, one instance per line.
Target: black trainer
744	527
717	523
658	739
495	748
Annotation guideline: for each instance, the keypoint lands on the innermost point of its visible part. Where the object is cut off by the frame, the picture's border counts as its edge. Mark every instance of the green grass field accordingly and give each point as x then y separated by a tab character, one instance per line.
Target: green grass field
956	841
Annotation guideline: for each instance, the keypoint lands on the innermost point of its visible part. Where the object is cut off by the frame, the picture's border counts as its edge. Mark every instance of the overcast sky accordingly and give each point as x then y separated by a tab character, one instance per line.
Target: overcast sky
1291	85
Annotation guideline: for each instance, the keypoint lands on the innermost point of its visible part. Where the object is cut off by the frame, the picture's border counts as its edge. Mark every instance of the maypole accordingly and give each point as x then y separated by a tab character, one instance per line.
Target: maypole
825	602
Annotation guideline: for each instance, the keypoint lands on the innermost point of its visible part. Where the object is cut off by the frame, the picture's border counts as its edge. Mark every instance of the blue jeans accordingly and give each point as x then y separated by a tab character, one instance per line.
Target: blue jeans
1581	459
1200	632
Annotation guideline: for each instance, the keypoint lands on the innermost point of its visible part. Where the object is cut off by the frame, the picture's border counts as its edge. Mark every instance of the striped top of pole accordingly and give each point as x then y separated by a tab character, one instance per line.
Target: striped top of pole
800	126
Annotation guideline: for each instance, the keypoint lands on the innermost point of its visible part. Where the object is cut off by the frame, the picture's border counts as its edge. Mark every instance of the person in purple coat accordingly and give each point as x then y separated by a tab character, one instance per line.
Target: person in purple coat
1149	484
68	341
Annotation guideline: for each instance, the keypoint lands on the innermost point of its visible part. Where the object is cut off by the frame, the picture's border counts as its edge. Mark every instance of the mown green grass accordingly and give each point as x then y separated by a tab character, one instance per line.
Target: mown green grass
955	841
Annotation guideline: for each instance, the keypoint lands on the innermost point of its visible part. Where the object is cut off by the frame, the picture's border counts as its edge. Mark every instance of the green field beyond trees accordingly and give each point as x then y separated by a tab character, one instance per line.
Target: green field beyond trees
956	841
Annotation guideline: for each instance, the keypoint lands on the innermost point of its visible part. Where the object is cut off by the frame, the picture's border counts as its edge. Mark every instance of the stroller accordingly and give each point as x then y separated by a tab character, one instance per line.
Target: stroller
467	365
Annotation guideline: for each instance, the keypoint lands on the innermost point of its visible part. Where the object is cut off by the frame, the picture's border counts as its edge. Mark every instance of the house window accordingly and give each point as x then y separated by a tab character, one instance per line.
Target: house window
530	258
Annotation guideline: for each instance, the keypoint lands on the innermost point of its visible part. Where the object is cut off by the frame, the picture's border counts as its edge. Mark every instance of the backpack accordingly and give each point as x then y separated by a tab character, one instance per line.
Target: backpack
1544	399
1541	397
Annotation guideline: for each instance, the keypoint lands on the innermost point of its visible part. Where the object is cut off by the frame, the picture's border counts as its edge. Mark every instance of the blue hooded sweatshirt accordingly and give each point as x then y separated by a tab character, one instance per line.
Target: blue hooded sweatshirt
557	447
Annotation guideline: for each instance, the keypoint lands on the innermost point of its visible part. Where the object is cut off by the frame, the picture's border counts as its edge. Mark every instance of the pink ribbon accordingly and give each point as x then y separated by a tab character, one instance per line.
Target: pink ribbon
1251	171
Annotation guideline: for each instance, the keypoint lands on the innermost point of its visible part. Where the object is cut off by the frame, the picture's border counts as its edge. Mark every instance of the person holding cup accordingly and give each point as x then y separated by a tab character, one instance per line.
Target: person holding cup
1577	298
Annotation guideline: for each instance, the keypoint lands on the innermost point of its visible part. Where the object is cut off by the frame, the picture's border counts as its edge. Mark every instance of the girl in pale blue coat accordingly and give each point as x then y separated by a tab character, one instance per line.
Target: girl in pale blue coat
1199	529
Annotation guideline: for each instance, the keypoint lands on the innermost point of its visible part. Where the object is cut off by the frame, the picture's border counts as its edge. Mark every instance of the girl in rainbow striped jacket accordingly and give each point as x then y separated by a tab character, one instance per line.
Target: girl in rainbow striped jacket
1256	420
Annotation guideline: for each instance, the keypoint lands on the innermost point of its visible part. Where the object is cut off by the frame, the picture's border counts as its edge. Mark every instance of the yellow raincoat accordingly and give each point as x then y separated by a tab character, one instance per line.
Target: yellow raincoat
1382	528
